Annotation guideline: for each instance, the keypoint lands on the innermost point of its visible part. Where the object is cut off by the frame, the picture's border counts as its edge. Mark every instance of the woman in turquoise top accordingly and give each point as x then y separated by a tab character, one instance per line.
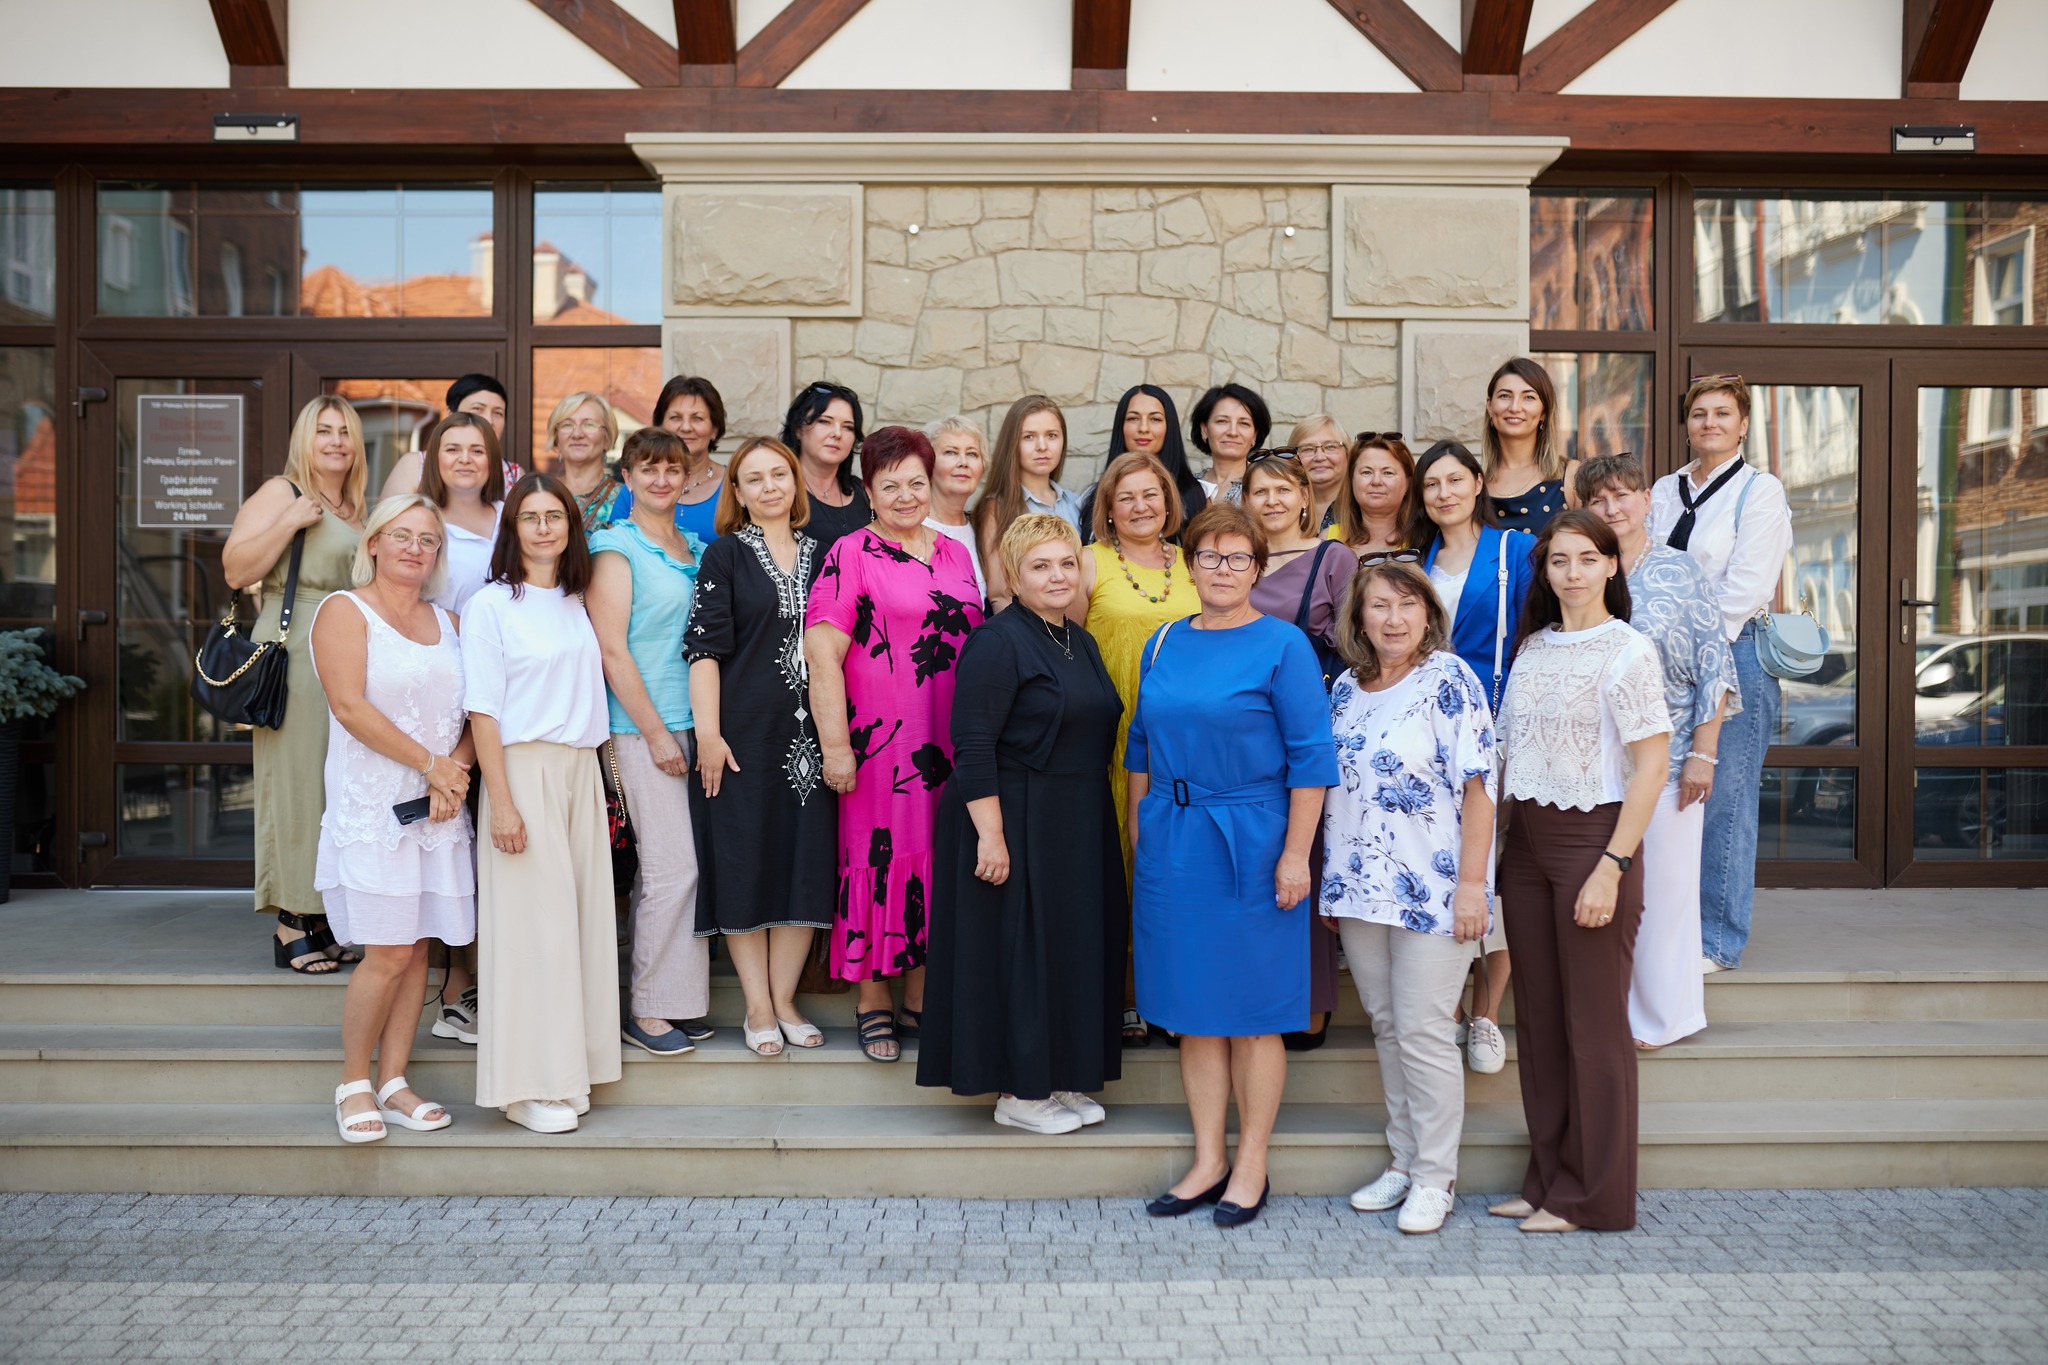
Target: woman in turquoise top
643	582
690	409
1229	754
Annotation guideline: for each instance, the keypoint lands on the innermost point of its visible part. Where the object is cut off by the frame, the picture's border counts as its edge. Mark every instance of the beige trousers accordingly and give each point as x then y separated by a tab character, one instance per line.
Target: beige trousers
671	965
1409	984
547	951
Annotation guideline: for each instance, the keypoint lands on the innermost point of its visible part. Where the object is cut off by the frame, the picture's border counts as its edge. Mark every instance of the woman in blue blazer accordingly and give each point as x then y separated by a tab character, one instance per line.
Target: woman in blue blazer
1482	573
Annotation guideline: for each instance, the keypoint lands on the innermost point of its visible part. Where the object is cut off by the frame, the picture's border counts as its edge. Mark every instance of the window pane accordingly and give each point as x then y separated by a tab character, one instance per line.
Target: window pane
1807	813
1590	259
627	377
1810	436
397	414
28	486
1603	402
1981	652
218	250
1980	813
597	253
173	810
28	254
1869	258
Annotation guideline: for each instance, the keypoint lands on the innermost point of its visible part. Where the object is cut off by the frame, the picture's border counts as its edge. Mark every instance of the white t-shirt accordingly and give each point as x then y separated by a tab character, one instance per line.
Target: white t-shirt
1745	569
965	535
1449	588
531	663
468	559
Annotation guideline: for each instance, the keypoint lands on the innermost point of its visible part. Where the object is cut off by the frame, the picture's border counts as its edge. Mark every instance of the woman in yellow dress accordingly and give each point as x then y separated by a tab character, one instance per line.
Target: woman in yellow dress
1134	579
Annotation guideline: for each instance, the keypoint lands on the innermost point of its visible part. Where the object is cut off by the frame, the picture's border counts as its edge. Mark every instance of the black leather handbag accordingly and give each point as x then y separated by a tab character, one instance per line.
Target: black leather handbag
237	679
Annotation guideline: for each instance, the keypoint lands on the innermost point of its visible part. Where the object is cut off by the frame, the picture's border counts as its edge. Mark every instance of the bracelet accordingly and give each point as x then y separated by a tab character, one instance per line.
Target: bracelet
1707	759
428	771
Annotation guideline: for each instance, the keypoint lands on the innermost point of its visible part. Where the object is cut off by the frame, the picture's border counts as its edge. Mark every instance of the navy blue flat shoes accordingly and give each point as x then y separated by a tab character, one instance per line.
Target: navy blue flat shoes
1171	1205
1229	1215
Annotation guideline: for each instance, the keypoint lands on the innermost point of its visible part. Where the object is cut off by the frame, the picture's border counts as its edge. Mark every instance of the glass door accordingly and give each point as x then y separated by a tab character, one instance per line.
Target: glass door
1817	422
175	438
398	391
1969	636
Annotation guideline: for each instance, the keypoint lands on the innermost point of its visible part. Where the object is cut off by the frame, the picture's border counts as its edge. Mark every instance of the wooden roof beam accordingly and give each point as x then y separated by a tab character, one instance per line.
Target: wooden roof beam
612	33
1940	36
788	40
705	41
1494	32
1584	39
1102	43
1407	40
253	34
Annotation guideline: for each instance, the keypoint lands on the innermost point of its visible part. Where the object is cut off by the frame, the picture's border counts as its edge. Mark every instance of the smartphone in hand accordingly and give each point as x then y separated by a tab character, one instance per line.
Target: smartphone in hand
412	812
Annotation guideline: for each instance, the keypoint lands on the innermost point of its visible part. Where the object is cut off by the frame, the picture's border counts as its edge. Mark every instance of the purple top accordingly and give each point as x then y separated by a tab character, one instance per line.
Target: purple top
1278	592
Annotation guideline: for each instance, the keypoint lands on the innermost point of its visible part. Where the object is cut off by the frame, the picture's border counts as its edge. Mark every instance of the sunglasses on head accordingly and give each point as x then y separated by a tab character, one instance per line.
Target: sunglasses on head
1709	378
1365	436
1379	557
1276	453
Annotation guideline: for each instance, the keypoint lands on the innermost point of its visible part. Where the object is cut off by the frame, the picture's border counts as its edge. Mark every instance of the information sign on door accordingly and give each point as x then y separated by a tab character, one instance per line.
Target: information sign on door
188	460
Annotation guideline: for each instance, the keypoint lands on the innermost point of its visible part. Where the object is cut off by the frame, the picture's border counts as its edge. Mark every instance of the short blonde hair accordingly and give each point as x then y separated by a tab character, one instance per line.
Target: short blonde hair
567	407
1313	423
298	460
1734	385
363	569
959	426
1030	531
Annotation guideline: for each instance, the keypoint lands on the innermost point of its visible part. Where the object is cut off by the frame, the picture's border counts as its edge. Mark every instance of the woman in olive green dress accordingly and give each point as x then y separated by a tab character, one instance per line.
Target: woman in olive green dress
322	492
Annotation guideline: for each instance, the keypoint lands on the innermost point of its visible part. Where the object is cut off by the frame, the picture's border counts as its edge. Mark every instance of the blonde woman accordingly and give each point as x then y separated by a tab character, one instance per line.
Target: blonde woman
397	735
1528	474
581	433
1321	446
1023	476
320	495
961	460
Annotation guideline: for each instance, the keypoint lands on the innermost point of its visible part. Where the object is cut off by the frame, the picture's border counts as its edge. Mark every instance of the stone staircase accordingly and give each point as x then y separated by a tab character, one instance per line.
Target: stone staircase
190	1081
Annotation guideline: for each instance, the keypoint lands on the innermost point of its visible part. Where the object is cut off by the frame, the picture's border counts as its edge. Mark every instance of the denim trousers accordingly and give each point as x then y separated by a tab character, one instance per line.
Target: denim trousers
1728	849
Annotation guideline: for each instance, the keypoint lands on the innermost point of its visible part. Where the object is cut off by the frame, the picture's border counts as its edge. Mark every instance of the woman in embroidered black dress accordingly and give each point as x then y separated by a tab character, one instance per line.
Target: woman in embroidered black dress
765	821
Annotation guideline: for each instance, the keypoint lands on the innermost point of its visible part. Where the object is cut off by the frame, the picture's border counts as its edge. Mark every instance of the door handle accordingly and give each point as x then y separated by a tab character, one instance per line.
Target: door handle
90	618
1907	604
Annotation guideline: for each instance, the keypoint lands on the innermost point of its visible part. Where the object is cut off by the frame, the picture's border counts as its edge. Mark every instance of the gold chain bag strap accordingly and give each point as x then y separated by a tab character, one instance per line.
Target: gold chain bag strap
239	680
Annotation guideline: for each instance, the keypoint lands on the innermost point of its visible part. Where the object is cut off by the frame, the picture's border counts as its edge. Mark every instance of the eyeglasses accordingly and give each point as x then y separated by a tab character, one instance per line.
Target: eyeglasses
1379	557
428	542
1212	560
1365	436
543	519
589	427
1319	448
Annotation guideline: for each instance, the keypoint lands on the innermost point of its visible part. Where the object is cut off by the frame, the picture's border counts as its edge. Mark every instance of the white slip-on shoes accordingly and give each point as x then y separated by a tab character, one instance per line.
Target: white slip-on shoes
1424	1210
1390	1189
542	1116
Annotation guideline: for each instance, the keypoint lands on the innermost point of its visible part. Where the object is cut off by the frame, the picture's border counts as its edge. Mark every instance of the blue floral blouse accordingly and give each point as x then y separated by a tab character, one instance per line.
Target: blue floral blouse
1672	604
1391	827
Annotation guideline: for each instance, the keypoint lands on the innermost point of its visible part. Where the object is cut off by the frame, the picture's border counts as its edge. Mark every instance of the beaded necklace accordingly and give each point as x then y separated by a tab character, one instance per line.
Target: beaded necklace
1132	578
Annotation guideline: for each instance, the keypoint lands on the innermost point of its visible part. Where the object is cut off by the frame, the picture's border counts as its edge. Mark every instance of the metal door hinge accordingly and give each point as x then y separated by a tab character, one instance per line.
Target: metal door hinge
91	839
87	393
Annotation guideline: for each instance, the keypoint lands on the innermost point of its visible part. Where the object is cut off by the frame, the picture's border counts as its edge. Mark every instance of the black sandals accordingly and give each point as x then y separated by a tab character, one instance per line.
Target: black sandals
877	1026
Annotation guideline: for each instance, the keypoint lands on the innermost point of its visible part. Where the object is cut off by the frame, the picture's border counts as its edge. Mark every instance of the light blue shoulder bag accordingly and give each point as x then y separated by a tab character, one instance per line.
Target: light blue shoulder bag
1789	646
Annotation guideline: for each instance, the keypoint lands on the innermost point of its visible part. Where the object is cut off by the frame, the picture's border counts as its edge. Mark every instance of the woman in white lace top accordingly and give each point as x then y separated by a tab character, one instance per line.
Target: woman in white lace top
1587	741
393	878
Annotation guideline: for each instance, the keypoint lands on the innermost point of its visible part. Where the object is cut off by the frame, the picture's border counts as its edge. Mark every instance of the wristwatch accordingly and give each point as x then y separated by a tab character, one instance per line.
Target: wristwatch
1623	863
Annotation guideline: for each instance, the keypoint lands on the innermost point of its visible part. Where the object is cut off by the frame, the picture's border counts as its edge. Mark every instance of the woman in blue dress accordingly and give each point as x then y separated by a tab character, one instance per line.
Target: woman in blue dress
1229	755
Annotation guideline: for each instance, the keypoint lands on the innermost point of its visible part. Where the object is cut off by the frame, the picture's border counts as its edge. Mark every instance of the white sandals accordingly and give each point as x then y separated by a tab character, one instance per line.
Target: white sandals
765	1042
403	1119
800	1035
342	1121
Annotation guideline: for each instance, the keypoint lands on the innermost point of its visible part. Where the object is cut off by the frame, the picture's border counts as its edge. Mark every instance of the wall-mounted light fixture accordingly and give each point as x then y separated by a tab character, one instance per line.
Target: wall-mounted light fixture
1934	137
255	127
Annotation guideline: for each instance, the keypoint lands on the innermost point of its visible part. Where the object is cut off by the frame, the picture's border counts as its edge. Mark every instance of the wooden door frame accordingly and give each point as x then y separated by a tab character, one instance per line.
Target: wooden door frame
94	795
1868	372
1910	373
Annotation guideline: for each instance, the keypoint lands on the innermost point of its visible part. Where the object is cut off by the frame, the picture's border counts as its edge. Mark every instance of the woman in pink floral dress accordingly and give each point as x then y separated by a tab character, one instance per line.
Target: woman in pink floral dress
888	614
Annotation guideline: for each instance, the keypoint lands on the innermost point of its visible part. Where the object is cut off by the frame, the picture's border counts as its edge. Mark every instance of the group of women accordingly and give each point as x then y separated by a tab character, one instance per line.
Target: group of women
1055	772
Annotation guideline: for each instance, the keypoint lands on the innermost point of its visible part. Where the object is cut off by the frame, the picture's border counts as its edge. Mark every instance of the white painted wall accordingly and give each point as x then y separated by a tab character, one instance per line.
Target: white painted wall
751	16
1784	49
1273	45
406	44
110	43
2009	61
1548	16
946	45
659	15
1447	17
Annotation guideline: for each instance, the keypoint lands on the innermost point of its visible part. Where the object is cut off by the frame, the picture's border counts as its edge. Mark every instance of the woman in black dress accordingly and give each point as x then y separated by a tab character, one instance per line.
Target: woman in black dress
1028	914
765	821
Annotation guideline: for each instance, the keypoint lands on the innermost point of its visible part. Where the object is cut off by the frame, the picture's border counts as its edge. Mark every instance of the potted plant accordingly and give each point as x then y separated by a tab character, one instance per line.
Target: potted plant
29	689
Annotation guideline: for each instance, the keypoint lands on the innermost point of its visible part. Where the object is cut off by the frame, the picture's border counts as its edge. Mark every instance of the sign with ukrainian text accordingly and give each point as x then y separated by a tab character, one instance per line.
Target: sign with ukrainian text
188	460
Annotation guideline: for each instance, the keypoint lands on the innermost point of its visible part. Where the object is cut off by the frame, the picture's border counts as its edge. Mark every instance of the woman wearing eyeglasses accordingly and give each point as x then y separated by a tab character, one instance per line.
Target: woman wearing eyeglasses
1482	574
1229	756
1320	445
547	953
1376	501
581	433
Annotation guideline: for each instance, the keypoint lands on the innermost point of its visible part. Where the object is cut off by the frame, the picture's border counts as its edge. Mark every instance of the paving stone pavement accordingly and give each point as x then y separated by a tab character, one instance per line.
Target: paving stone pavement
1802	1277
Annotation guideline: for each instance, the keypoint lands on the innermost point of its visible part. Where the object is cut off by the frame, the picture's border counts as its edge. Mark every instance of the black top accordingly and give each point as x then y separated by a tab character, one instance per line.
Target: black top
1020	701
829	524
1531	509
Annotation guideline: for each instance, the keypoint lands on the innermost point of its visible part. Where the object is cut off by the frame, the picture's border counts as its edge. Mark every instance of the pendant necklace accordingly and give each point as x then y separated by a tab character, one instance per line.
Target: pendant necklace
1132	578
1065	643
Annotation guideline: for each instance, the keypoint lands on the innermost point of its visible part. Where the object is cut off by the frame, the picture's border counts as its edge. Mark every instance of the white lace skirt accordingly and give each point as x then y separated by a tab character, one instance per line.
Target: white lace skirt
396	897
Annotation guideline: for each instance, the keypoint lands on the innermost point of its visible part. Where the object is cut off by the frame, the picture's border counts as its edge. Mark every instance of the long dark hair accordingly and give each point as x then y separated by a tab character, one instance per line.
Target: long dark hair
1002	496
1541	608
508	561
1550	456
1422	532
1173	452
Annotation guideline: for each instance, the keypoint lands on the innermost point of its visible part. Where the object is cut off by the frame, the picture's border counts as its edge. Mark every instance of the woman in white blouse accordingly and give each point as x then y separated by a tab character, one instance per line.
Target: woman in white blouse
547	947
1734	520
1588	744
1408	866
962	459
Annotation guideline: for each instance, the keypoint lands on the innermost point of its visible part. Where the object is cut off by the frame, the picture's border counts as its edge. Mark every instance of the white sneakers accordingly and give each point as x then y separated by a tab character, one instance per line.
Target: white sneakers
1486	1051
1708	966
543	1116
1089	1110
1037	1116
1424	1210
1390	1189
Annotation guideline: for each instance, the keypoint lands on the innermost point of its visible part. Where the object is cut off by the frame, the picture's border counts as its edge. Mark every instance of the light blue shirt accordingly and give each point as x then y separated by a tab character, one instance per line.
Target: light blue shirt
1065	504
663	590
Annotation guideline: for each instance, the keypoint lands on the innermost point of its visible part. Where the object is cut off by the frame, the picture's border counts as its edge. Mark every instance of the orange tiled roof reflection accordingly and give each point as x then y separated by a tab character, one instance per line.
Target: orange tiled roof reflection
35	473
330	292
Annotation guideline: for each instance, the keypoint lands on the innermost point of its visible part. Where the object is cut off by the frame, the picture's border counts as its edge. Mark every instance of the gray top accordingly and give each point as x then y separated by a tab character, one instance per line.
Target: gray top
1673	605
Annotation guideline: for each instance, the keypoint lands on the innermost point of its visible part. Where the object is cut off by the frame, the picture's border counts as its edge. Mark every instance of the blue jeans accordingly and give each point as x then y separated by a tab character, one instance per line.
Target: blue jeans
1728	851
